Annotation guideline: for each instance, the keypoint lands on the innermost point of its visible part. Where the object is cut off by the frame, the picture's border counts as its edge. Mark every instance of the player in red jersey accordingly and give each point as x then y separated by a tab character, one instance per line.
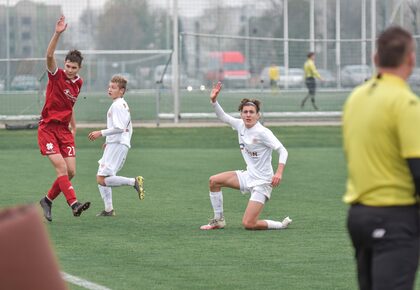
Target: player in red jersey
57	127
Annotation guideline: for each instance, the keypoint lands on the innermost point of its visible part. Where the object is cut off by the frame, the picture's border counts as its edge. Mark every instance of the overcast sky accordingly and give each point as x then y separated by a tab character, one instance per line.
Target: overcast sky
73	8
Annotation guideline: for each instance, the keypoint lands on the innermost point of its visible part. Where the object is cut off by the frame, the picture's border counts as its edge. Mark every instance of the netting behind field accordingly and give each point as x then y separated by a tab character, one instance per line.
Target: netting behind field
23	93
233	41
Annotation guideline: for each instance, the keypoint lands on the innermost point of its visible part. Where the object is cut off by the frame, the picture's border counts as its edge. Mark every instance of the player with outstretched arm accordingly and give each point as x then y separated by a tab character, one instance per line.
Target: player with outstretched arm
55	137
256	143
118	137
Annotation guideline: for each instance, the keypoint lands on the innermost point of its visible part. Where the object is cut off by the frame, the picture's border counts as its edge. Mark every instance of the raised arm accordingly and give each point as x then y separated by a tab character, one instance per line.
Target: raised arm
215	92
221	115
60	27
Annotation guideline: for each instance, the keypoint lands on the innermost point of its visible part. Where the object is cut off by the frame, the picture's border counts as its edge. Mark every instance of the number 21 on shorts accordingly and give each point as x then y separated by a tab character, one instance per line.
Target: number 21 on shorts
71	151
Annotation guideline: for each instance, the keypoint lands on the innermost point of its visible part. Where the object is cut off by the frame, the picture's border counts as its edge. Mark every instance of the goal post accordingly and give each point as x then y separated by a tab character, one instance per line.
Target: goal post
23	83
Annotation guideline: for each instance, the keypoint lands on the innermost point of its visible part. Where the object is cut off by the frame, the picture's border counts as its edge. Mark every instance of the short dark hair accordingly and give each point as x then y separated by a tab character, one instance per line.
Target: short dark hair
74	56
310	54
393	45
249	102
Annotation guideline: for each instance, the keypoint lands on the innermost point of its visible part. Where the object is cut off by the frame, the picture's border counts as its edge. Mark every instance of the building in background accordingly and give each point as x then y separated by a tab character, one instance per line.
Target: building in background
30	28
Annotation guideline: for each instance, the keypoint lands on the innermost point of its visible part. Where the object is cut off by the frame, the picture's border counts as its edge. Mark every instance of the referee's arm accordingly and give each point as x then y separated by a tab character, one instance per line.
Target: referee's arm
414	165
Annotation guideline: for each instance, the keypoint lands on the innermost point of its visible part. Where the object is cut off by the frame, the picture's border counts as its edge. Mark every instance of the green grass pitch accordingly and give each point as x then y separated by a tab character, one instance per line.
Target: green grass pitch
91	107
156	243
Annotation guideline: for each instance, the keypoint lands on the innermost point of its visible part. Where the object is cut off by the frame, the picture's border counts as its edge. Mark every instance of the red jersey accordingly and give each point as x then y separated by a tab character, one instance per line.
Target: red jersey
61	95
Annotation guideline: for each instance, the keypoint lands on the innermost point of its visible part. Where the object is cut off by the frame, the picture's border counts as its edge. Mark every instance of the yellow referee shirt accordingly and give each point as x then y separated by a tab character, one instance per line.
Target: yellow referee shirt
310	69
381	129
273	73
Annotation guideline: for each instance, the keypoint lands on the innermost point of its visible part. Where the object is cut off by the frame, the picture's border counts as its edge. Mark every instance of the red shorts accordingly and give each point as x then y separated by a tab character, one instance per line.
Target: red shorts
56	138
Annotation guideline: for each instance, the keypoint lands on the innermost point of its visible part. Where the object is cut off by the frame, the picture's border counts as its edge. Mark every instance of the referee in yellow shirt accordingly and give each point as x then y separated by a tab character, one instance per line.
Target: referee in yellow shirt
381	135
310	74
273	74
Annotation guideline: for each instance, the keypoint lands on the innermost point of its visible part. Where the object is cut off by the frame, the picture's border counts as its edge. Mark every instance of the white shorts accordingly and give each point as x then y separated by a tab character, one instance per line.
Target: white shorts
259	193
112	160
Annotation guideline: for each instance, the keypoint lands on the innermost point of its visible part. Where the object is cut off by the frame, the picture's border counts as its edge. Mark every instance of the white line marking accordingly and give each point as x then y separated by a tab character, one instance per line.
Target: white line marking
82	282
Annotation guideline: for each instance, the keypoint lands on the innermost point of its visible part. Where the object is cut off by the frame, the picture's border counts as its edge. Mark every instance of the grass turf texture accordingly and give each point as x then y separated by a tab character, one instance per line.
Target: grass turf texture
143	103
156	243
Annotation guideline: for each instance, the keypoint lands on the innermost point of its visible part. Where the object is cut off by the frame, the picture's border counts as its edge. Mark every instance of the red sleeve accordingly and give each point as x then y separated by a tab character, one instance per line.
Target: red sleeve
54	75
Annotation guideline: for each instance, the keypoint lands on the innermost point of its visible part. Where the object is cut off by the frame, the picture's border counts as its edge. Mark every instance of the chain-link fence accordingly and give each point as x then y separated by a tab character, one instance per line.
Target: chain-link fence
236	42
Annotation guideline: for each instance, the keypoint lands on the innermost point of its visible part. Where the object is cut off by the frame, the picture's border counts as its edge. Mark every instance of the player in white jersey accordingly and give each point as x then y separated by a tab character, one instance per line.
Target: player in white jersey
118	137
256	144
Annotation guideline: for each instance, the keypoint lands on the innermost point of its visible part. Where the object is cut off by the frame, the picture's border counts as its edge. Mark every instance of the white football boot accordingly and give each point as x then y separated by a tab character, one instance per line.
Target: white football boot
214	224
286	222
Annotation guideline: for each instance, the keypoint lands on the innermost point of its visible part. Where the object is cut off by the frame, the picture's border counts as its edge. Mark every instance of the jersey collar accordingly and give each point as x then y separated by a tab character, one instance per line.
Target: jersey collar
75	79
395	79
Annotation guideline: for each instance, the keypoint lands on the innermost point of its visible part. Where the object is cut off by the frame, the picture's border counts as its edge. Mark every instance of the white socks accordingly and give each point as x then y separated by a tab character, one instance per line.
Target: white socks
216	199
274	225
106	193
114	181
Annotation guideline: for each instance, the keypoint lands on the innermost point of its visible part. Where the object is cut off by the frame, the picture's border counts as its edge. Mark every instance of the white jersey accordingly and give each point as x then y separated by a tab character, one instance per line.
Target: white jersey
118	123
256	145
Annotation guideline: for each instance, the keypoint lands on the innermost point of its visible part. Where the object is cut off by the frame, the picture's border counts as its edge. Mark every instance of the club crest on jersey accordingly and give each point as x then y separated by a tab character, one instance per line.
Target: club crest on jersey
69	95
50	148
250	153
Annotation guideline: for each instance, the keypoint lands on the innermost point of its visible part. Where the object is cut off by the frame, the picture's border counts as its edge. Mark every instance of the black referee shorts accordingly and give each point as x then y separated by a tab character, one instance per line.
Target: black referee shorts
386	241
311	85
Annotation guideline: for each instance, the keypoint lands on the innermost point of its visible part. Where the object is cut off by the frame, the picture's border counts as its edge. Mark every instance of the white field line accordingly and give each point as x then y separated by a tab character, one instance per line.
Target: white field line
82	282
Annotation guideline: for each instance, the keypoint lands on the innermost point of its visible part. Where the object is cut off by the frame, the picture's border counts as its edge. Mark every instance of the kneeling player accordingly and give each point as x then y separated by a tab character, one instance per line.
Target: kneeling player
256	144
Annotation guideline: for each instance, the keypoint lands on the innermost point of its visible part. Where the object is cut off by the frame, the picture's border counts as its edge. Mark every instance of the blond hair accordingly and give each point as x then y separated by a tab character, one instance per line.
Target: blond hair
120	81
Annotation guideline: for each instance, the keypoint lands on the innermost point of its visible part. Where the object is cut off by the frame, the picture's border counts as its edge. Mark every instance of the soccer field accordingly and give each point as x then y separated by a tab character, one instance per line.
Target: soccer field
92	107
156	243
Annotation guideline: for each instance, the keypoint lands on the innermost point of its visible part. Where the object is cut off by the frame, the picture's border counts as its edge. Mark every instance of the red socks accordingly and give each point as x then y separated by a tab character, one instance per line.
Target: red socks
54	191
62	184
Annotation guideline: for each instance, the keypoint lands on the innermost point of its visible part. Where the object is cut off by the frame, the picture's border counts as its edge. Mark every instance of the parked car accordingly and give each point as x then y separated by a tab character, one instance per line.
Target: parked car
184	80
25	83
354	75
293	79
329	79
265	78
414	79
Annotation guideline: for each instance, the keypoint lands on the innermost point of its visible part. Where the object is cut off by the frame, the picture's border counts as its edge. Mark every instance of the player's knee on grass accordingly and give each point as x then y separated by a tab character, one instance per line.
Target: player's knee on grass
249	224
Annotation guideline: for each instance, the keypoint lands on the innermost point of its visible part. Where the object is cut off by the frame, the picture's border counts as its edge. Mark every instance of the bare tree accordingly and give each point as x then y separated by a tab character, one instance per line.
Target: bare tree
129	24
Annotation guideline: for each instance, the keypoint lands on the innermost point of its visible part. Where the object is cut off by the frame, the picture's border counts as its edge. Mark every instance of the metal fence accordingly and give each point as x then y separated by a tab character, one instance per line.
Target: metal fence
170	77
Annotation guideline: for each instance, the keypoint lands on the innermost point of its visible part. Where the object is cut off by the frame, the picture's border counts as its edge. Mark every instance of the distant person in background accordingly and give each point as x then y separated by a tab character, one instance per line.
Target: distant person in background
118	136
381	139
57	127
273	74
256	144
310	74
